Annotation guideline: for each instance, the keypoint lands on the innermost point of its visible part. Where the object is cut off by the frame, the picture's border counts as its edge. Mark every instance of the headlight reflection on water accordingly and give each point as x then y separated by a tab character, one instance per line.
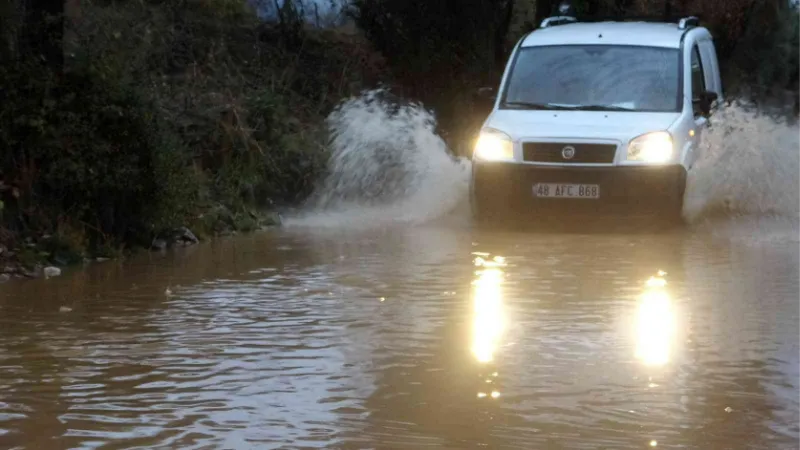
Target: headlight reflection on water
655	323
488	321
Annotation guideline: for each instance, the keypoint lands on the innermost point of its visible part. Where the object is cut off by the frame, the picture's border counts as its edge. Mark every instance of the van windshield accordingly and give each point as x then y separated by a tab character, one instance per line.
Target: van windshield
595	77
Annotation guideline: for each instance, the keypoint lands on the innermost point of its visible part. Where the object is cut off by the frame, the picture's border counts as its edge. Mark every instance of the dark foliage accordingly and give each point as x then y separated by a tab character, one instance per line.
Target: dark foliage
440	52
86	152
193	112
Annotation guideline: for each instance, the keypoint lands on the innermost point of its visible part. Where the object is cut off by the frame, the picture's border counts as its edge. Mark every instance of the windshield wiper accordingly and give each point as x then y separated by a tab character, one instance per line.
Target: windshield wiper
563	107
603	108
530	105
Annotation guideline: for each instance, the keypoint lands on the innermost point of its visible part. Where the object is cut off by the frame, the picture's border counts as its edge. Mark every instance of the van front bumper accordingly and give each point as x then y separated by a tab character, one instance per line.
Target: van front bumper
509	187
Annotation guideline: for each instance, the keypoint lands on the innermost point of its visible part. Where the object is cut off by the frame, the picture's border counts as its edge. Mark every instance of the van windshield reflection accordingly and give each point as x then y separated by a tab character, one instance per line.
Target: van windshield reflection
595	78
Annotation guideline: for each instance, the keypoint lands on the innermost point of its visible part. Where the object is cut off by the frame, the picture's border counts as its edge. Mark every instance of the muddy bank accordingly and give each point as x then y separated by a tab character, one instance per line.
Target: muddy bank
45	257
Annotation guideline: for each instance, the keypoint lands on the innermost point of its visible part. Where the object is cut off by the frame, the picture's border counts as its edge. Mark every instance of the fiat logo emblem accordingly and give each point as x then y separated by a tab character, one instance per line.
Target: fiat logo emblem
568	152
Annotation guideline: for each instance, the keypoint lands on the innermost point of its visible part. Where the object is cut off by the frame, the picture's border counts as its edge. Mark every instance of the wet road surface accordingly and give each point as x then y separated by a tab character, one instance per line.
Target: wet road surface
424	337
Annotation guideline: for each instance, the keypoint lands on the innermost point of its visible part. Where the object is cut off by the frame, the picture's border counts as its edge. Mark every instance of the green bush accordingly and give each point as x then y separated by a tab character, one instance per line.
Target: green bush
90	150
246	98
765	58
190	112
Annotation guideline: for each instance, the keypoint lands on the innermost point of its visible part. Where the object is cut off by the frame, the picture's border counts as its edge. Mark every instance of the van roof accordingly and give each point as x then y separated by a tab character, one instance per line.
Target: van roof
652	34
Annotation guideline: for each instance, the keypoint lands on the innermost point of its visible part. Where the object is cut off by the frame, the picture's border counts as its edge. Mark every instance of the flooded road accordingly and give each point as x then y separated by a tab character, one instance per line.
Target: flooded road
414	337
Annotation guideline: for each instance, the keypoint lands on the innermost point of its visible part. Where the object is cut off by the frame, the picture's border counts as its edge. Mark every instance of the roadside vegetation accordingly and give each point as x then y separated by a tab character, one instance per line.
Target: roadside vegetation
146	117
131	123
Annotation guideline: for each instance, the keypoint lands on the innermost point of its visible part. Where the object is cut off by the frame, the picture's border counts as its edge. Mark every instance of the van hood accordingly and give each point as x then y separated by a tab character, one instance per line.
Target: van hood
621	126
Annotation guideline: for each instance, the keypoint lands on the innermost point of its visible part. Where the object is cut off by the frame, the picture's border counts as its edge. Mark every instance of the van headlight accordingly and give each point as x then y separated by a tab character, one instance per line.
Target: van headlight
656	147
493	145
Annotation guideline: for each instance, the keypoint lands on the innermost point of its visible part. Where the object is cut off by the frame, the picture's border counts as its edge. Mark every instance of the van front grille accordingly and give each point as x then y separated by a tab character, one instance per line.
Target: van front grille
552	152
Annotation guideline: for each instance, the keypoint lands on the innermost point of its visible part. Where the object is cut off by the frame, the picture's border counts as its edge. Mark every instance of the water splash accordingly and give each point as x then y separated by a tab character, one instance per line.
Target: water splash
387	165
749	166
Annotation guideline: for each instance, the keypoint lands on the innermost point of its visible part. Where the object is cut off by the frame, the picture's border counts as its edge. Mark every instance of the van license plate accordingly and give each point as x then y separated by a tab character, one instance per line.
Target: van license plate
558	190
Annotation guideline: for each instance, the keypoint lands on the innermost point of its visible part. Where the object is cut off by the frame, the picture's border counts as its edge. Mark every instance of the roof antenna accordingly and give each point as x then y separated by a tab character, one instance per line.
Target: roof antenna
565	8
566	14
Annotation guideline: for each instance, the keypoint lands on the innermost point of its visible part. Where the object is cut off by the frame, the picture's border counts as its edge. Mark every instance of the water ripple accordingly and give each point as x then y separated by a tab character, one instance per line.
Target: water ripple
401	340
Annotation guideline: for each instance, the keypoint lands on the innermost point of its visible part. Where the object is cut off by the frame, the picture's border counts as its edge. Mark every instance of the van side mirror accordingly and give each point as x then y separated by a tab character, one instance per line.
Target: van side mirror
487	93
703	102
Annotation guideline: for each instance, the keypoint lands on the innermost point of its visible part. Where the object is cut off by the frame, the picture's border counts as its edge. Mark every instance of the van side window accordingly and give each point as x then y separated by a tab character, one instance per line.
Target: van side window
698	76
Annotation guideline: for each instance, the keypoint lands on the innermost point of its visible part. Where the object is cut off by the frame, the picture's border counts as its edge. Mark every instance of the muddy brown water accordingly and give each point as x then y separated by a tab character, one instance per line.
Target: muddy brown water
418	337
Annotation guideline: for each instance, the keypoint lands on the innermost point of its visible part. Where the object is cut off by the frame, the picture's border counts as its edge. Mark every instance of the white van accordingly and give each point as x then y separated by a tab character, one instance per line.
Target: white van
596	117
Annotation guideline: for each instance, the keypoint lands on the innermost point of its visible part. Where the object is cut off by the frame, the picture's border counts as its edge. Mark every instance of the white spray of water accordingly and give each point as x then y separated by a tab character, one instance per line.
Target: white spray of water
387	166
749	166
